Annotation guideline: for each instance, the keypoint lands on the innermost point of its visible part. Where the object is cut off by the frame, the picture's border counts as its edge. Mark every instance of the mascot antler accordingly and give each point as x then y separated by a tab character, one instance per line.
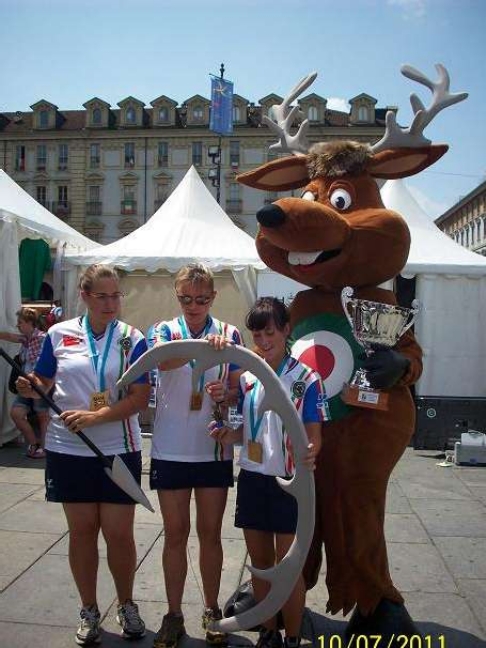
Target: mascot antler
283	576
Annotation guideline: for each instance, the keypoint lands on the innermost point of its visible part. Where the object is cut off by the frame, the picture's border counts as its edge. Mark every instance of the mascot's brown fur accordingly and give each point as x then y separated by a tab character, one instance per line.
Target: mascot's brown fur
340	234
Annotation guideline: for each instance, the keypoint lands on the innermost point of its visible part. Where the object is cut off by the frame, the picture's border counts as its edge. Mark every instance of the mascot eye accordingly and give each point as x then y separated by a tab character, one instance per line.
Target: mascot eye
308	195
340	199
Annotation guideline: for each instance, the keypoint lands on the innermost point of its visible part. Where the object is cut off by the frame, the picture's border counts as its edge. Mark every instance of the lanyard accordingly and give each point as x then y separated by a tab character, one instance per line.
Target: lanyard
99	369
256	423
187	336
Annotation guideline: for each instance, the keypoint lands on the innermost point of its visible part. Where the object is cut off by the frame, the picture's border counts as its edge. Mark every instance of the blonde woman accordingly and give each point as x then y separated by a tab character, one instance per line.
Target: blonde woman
185	460
83	358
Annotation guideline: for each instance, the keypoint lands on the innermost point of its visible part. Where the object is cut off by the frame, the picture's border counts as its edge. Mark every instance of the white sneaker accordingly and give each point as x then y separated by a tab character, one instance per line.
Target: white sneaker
131	623
89	628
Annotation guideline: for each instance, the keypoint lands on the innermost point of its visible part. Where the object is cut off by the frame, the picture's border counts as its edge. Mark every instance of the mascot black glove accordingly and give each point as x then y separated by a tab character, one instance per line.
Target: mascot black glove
384	367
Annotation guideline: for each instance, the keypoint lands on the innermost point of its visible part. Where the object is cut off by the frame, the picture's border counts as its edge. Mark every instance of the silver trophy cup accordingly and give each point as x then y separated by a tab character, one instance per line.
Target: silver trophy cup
373	323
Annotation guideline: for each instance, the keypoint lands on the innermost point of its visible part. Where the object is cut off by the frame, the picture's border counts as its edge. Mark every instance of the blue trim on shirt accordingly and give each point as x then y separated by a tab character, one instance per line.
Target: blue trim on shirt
46	364
139	349
310	409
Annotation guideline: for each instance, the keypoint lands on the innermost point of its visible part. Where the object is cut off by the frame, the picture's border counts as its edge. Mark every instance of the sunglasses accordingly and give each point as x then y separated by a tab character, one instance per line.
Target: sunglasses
201	300
104	297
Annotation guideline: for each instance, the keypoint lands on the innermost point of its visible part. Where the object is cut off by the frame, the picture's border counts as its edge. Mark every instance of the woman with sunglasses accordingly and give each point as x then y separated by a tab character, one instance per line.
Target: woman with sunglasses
185	458
83	358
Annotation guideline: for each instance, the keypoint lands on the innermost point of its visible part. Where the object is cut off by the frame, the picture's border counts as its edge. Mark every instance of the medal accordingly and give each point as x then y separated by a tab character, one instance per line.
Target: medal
255	451
196	401
98	400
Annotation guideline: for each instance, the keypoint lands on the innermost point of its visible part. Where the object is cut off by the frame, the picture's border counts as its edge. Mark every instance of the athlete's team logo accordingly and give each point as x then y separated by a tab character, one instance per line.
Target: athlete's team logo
298	388
125	343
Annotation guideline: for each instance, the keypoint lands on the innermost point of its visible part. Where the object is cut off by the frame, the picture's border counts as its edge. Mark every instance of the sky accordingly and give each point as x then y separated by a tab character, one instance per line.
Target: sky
70	51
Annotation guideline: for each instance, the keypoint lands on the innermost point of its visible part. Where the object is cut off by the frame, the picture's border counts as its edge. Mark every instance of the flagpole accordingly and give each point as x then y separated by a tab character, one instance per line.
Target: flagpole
218	190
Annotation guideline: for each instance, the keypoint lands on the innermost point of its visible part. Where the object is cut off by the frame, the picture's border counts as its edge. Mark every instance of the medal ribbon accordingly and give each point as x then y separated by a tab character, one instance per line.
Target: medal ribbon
99	369
254	422
187	336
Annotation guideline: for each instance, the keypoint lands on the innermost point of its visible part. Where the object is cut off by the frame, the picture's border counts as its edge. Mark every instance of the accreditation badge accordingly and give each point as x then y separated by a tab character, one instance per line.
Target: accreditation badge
98	400
255	451
196	401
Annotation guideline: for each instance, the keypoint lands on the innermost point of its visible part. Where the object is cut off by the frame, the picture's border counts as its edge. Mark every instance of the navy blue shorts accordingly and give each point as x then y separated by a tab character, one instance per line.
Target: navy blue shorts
70	478
263	506
174	475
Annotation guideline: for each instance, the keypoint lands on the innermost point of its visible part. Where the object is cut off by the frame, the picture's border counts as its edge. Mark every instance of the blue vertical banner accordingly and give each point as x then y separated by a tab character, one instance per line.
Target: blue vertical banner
221	120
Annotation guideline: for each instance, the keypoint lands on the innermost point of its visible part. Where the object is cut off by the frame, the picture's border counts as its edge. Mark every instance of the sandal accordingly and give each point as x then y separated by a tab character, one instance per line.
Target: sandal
31	450
34	451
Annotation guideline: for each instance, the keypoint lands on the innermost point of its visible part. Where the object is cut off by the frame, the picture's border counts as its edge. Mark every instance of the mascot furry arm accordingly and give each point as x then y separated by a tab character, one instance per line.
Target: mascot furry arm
338	233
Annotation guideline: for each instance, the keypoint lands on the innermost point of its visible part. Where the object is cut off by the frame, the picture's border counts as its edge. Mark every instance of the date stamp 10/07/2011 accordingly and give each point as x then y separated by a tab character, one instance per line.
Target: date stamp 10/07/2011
377	641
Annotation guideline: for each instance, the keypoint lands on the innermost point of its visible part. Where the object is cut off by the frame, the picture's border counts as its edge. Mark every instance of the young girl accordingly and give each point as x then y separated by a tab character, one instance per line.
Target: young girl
268	514
31	338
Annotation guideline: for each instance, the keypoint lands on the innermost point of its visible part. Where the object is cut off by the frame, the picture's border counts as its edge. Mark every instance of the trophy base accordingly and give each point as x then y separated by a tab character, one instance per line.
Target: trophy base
364	397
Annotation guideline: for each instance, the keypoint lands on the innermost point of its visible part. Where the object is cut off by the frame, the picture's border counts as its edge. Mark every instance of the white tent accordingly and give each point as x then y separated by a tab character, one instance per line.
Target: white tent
22	217
451	286
190	226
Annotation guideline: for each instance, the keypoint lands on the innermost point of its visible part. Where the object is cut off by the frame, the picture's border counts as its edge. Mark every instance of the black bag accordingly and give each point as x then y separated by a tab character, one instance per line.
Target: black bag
241	600
14	374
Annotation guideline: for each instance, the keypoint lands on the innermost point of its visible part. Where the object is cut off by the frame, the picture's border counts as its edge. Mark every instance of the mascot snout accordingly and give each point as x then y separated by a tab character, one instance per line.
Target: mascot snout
271	215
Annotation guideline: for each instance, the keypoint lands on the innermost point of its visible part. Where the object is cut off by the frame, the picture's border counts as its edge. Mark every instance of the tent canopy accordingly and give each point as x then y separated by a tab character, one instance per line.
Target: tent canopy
431	250
189	226
17	206
451	287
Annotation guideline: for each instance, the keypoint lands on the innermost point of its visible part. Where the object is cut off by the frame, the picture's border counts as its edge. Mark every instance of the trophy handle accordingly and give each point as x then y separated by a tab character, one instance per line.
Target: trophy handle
414	311
346	294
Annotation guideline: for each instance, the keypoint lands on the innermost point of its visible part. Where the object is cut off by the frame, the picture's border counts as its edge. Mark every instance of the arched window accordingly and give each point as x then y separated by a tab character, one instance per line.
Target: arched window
97	116
131	115
163	114
198	113
44	118
313	114
363	114
236	114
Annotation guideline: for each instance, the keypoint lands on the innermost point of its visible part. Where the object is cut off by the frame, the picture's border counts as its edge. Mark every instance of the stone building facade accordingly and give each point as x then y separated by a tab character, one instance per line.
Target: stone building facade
106	170
465	222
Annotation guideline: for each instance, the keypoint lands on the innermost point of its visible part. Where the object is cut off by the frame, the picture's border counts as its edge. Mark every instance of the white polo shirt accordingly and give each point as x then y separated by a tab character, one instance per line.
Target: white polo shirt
305	389
67	357
181	434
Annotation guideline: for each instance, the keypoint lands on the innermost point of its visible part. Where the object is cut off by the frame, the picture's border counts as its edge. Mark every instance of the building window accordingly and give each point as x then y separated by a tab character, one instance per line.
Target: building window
161	195
43	118
234	202
163	154
94	156
198	113
163	115
197	153
41	195
61	208
363	114
62	193
236	114
41	163
131	115
129	155
313	114
63	157
93	206
20	158
129	204
97	116
234	153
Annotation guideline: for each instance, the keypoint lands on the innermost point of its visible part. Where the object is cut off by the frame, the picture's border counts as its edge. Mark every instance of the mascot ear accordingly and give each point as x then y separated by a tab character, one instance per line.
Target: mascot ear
403	162
279	175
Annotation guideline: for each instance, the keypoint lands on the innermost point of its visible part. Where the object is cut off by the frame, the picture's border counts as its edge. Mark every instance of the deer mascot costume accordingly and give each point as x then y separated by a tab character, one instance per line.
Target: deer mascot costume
337	234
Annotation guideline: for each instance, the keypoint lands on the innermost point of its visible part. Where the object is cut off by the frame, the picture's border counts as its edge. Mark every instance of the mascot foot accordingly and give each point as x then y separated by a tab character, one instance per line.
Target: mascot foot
389	621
